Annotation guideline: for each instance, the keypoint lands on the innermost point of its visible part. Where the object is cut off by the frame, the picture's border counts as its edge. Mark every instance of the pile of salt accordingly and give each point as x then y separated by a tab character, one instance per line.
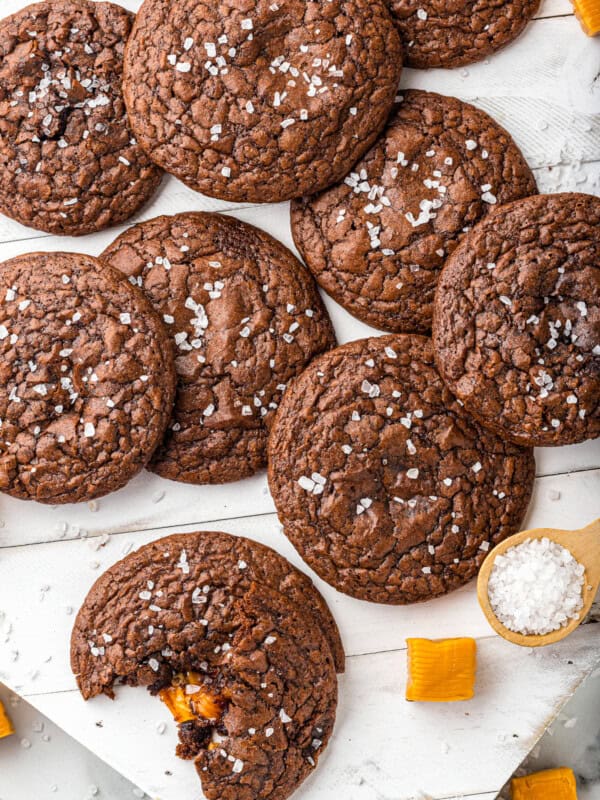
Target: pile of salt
536	587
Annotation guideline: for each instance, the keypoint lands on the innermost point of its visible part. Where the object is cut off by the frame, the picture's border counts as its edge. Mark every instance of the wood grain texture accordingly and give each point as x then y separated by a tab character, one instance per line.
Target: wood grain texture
69	567
466	748
544	89
151	503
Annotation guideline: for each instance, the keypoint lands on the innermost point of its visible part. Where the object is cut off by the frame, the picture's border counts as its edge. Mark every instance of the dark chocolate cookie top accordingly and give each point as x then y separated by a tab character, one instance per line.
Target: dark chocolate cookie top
204	573
517	320
377	241
282	708
225	631
68	161
250	100
86	378
245	316
387	489
441	33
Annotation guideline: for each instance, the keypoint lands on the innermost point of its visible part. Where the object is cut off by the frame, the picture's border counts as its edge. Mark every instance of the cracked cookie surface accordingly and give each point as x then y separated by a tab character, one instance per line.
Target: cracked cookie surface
377	241
246	317
86	378
517	320
242	629
258	101
439	33
68	161
226	564
386	488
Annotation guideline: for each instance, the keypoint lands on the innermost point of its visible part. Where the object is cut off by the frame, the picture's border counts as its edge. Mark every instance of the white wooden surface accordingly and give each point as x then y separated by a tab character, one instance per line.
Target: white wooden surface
41	761
544	89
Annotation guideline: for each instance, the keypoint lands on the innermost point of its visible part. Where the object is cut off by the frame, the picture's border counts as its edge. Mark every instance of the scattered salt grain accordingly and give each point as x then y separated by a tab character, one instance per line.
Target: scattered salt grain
536	587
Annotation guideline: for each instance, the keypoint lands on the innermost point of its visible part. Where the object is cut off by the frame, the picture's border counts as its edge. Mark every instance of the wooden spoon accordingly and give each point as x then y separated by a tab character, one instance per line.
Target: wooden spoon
584	544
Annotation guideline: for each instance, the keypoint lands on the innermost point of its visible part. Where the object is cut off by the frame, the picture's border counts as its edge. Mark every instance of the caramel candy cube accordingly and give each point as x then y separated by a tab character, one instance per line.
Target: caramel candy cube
441	670
588	14
6	727
552	784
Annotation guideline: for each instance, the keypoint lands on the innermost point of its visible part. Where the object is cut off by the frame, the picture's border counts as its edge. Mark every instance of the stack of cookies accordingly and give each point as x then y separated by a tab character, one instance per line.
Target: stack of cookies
198	346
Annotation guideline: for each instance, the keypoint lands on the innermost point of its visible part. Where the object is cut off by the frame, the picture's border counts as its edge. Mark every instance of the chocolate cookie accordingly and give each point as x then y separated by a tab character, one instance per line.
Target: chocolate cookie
228	564
438	33
377	241
225	631
258	101
68	161
517	320
246	317
383	484
86	378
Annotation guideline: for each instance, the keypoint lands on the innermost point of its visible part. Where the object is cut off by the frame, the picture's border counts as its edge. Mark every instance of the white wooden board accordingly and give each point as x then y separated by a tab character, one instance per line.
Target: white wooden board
41	761
150	501
466	748
544	89
52	580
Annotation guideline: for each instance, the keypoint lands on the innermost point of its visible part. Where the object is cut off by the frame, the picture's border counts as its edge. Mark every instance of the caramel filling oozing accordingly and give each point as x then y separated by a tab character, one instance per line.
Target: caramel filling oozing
188	698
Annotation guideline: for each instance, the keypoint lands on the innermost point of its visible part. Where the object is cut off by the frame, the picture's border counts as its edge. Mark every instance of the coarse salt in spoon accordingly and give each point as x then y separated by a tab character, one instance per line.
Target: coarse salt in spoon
551	562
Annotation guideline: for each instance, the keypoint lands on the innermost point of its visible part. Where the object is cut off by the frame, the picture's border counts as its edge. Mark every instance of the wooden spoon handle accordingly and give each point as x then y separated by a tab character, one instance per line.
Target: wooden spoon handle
593	528
591	557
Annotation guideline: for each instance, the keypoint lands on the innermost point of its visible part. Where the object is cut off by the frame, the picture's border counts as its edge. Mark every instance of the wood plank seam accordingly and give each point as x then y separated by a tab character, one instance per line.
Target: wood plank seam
129	532
40	236
553	16
173	528
354	657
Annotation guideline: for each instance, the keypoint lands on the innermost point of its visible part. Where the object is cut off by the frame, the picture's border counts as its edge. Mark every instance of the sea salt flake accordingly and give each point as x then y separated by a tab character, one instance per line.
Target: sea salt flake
182	564
306	483
536	587
372	390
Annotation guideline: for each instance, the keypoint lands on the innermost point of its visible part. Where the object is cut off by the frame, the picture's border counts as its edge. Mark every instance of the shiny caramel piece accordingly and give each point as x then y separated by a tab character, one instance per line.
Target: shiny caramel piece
6	727
187	698
441	670
588	14
552	784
